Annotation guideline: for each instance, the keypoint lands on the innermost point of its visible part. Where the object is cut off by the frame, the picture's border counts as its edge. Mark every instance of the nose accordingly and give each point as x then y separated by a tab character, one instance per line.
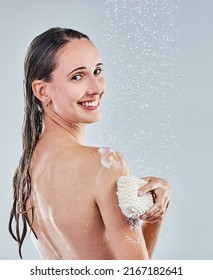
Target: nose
96	86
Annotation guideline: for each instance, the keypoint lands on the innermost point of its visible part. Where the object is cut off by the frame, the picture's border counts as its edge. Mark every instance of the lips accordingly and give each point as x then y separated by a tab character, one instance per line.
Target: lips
89	105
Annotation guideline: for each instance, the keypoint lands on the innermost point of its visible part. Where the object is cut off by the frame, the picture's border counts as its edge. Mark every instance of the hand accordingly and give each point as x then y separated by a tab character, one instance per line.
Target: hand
161	191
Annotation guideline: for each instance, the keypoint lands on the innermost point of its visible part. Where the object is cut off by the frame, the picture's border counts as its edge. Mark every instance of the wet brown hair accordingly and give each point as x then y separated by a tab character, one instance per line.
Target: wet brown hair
40	62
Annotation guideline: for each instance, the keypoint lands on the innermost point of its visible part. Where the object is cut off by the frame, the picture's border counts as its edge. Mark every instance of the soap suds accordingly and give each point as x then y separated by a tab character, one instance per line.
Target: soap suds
107	156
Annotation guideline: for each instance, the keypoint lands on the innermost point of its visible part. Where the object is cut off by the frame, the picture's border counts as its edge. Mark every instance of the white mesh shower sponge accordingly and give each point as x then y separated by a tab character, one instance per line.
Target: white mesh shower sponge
132	205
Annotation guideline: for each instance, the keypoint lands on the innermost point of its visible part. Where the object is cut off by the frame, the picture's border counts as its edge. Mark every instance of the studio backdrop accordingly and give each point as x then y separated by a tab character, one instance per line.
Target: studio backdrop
157	111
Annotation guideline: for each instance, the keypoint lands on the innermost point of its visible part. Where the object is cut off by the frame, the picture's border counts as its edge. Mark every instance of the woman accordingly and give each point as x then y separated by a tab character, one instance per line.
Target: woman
63	190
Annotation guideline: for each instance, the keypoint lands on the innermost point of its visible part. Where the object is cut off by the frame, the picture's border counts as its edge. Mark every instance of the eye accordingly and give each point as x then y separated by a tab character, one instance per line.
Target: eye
97	71
77	77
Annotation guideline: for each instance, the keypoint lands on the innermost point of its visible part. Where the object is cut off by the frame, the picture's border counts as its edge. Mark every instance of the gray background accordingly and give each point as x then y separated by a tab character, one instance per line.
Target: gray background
157	111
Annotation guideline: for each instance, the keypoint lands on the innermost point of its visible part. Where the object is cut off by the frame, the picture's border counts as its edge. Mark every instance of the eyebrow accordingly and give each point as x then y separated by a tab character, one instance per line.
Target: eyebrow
84	68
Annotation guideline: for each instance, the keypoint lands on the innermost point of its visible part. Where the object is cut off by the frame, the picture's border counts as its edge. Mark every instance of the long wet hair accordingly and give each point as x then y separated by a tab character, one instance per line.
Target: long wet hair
40	62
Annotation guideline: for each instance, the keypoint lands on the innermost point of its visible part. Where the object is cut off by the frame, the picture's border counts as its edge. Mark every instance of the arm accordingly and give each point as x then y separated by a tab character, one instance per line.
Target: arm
127	242
151	234
154	217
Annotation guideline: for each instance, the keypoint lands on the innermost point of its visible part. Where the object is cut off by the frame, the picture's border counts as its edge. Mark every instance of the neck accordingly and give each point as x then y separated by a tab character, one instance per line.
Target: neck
53	122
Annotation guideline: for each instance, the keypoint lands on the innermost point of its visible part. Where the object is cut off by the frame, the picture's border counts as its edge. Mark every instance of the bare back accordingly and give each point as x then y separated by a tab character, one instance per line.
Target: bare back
67	181
66	217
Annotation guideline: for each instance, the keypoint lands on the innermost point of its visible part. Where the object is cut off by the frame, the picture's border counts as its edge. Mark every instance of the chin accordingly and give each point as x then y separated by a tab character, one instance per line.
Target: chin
93	120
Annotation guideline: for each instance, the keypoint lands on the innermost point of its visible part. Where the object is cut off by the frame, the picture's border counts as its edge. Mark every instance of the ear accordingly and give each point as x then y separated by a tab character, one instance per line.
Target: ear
39	88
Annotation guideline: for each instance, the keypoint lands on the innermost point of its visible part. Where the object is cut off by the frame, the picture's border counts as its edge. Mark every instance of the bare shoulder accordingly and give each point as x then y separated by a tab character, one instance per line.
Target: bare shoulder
113	160
111	163
109	166
108	158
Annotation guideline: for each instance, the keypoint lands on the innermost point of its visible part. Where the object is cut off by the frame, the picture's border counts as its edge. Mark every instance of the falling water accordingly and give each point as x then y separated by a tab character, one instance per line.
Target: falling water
142	105
141	68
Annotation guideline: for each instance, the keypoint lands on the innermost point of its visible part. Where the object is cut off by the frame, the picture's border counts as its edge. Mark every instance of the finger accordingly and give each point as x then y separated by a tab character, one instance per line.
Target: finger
154	209
157	216
152	179
148	179
151	186
152	221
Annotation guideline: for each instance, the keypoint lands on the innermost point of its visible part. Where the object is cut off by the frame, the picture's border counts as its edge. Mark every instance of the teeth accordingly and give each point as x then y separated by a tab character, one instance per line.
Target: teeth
90	104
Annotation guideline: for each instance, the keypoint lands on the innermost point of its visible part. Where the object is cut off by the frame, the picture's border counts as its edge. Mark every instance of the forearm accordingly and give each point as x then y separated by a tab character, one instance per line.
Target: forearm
151	234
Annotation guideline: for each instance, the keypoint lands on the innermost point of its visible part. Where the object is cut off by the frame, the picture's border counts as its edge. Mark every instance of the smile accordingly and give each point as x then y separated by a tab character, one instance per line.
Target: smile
90	104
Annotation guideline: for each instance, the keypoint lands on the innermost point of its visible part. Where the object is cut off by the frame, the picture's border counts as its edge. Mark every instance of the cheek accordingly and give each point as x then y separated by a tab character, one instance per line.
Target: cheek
68	95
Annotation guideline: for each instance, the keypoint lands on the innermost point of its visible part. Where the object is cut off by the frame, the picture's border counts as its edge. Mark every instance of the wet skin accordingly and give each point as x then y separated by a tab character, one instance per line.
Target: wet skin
76	211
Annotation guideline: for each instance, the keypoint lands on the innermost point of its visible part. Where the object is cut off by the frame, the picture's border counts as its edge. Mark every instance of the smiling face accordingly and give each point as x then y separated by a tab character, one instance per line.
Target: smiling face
77	84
